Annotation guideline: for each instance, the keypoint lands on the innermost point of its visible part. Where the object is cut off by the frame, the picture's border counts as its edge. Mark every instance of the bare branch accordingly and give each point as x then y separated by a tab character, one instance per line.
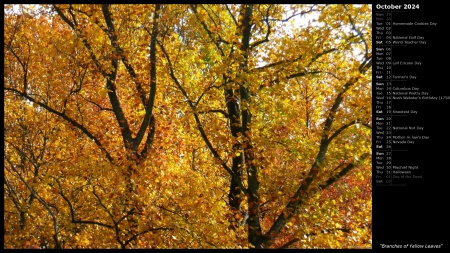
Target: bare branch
231	15
285	246
44	203
224	113
65	117
344	171
72	211
216	41
268	26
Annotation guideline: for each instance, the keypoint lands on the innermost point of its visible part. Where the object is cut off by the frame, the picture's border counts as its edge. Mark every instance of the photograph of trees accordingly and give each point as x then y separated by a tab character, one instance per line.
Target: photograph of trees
187	126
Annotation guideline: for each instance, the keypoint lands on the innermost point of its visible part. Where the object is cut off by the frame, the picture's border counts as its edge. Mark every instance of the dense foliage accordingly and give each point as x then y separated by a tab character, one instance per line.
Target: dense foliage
187	126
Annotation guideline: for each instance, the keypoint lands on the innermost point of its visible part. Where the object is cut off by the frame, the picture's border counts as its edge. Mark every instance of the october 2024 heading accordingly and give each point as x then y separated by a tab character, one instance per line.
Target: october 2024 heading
397	6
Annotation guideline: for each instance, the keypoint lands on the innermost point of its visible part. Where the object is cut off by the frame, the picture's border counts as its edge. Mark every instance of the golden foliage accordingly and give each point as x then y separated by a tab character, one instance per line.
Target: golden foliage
125	124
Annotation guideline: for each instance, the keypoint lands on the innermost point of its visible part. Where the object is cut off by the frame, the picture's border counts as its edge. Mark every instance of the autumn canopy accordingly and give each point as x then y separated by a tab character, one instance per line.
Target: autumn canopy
187	126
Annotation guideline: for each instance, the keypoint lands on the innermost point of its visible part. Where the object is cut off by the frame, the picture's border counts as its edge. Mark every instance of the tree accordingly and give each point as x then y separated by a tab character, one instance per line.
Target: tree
188	126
